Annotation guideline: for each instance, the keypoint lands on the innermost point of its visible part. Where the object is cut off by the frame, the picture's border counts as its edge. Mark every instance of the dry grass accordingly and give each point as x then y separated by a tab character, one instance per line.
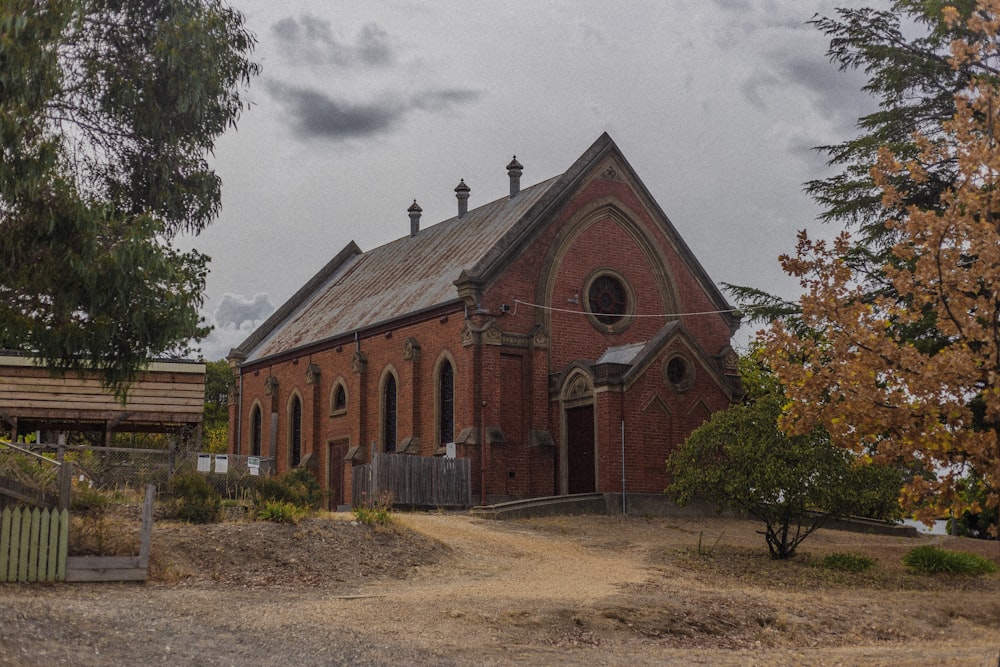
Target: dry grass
451	589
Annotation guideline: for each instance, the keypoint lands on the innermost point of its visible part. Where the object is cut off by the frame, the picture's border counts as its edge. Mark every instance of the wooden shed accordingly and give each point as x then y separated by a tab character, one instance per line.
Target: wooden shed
168	396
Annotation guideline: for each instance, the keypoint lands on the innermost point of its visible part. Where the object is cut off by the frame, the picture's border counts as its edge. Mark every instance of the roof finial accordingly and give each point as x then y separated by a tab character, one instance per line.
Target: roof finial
514	172
414	212
462	194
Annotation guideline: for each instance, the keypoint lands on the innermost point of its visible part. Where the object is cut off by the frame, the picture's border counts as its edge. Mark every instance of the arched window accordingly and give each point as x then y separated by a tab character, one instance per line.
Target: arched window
389	414
338	401
295	431
255	431
446	403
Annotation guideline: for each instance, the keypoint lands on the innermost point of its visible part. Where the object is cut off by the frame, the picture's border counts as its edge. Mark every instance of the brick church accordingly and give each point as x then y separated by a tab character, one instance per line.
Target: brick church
563	338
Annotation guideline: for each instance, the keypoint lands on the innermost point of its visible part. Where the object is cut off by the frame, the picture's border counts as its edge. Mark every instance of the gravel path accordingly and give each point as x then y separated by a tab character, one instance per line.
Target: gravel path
566	591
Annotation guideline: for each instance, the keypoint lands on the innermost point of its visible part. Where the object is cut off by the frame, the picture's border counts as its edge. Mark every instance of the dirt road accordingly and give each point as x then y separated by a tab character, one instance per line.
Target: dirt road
562	591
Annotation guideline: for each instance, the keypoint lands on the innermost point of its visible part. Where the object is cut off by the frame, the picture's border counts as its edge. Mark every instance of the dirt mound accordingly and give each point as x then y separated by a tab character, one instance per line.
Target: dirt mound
318	552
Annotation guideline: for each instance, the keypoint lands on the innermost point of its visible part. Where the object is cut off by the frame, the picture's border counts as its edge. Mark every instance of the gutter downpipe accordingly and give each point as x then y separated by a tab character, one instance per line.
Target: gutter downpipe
621	403
239	415
482	453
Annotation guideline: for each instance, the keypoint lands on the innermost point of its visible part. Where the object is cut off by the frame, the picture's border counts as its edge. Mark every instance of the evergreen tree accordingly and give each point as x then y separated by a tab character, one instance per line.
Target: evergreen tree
904	51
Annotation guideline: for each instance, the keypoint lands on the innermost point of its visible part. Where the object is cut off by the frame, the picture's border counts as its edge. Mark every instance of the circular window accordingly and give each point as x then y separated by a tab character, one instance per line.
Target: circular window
609	301
678	373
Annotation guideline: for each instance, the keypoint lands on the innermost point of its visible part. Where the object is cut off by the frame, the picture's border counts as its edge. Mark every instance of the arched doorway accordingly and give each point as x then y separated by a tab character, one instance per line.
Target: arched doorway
578	444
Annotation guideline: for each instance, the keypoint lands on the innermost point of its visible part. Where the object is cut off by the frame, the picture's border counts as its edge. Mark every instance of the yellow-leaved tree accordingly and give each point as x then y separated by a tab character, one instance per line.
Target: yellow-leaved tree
858	366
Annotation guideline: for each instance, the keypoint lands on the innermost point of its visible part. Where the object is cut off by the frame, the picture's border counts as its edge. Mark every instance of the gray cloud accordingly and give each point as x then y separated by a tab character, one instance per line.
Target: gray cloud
238	311
437	100
311	40
317	115
838	95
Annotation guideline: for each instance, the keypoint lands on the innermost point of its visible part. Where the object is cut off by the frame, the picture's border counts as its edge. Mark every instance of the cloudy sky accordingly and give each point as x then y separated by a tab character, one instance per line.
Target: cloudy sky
364	106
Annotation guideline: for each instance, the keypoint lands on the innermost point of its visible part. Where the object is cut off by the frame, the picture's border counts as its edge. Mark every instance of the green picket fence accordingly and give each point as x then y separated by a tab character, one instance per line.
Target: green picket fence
33	544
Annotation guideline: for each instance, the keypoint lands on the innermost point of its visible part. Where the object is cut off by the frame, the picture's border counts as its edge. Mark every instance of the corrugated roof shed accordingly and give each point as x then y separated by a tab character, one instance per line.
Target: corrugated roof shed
409	275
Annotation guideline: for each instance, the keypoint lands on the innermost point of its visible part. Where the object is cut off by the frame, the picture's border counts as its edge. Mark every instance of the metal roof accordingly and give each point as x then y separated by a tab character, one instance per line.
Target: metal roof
622	354
408	275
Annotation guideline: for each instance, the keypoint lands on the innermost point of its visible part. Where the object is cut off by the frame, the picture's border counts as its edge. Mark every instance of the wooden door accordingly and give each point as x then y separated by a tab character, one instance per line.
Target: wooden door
580	449
335	473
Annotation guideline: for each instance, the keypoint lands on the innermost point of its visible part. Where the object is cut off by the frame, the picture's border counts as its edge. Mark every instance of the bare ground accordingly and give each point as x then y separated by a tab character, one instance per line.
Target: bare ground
448	589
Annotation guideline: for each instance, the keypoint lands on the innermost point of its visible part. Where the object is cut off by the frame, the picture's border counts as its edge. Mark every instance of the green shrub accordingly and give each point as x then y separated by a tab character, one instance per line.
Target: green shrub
298	487
932	560
197	500
281	512
305	487
848	562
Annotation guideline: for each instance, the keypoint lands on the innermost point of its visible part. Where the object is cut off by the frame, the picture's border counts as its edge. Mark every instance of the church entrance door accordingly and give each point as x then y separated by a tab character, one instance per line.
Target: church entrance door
581	464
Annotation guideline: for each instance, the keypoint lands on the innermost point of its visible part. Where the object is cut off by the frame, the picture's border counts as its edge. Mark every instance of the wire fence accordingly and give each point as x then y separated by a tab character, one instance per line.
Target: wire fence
230	474
121	468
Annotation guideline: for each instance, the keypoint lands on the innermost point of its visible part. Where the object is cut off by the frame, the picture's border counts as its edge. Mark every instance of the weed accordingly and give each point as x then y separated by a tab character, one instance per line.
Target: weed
933	560
377	512
277	511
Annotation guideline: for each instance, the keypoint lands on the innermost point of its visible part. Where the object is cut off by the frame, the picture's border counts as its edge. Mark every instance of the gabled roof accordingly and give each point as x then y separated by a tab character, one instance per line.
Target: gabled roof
414	274
626	363
408	275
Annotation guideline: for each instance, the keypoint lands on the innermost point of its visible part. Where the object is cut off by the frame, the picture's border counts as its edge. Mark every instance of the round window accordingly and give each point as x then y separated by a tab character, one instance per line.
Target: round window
678	373
610	301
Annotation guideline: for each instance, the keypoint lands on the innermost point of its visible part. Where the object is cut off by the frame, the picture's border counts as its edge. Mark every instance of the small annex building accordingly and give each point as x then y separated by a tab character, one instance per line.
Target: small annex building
167	396
563	338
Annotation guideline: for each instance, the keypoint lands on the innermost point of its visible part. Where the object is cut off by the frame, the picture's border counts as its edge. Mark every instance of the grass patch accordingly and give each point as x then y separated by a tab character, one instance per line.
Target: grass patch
933	560
848	562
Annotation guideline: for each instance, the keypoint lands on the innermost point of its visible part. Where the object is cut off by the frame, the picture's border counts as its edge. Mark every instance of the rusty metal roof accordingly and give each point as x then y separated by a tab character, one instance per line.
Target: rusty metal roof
408	275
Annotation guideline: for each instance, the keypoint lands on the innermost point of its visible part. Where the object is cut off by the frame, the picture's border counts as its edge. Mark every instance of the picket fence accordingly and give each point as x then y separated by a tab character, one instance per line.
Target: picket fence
418	481
33	544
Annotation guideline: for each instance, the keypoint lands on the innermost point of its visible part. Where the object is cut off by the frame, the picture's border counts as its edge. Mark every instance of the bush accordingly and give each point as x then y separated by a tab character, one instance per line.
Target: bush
298	487
197	500
848	562
932	560
281	512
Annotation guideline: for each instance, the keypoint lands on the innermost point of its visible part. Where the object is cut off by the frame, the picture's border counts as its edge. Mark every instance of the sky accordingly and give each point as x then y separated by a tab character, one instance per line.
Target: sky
363	106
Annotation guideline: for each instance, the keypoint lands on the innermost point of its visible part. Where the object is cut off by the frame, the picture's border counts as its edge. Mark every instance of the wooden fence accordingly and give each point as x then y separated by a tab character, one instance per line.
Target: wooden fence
33	544
118	568
420	481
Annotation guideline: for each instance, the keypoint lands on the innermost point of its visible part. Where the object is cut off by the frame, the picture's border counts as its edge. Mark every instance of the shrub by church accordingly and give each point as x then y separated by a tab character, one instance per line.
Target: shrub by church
564	333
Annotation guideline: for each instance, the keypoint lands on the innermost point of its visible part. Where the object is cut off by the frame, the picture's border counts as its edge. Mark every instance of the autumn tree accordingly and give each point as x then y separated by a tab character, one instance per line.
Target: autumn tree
108	112
865	372
740	460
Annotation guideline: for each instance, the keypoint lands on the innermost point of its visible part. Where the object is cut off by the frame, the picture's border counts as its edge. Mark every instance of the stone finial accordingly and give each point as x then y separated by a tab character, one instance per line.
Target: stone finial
514	172
414	212
462	194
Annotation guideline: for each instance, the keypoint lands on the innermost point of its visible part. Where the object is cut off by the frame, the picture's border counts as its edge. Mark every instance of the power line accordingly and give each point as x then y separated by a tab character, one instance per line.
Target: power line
582	312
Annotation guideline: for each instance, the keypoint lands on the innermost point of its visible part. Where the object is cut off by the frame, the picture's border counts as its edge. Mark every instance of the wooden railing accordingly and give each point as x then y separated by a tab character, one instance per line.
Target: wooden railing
418	481
39	497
